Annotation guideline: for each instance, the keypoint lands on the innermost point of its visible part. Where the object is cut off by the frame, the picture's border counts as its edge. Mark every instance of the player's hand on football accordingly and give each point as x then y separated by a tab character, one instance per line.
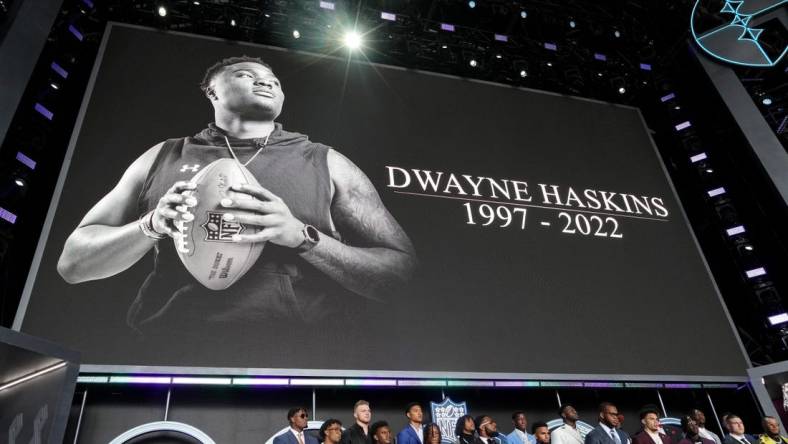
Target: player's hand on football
269	211
173	207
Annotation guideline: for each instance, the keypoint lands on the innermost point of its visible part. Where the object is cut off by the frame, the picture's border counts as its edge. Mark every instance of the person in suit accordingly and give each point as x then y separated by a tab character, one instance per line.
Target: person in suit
651	432
692	432
520	433
413	432
298	419
567	433
487	429
607	431
541	432
771	432
380	432
700	418
358	433
331	431
736	431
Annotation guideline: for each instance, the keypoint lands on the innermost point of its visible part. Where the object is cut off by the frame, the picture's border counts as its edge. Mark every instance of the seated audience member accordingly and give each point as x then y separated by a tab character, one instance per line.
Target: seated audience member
358	433
298	419
607	431
331	431
736	433
380	433
700	418
432	434
541	432
651	433
771	432
567	433
413	432
692	432
520	433
465	430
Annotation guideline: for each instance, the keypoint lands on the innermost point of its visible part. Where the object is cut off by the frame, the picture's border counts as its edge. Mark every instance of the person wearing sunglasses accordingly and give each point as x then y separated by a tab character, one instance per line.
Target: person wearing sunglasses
298	417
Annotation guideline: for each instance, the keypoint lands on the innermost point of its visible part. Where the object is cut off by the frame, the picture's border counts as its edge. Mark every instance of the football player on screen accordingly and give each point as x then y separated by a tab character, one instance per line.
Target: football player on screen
329	237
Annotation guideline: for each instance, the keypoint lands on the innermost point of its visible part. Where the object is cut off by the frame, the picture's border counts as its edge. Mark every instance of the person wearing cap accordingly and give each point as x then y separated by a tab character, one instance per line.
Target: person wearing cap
651	432
607	432
567	433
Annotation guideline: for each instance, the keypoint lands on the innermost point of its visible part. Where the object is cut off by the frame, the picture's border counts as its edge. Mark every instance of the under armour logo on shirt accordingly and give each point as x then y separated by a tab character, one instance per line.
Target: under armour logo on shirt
187	167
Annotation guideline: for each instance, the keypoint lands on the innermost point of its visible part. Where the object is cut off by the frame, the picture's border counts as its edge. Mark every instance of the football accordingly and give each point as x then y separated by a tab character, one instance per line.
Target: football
205	243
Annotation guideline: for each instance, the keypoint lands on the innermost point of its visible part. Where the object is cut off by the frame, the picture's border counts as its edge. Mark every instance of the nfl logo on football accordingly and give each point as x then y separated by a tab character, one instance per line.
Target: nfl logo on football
446	415
220	230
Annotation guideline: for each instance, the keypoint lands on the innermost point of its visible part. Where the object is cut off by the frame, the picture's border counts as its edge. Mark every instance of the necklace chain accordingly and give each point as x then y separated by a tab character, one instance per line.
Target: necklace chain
227	141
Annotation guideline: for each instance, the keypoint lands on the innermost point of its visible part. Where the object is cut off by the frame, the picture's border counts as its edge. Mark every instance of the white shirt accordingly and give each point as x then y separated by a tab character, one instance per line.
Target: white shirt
524	438
739	438
708	434
655	436
296	433
419	432
565	434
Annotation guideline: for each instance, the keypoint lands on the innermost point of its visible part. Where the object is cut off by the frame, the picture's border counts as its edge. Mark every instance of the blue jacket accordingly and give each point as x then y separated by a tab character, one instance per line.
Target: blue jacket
407	436
288	438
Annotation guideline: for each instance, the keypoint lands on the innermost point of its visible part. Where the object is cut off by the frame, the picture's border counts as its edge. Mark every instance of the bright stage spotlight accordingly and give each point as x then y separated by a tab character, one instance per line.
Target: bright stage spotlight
296	34
162	11
352	40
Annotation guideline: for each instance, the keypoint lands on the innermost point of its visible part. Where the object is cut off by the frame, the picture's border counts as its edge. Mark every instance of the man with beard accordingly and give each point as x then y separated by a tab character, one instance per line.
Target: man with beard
567	433
692	432
607	431
487	429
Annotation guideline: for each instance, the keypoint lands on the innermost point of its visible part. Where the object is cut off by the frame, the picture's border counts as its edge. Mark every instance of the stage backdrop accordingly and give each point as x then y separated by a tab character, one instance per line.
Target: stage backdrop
549	238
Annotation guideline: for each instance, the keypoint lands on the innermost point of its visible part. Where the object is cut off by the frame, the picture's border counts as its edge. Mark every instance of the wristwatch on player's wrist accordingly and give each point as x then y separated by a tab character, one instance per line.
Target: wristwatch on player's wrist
311	238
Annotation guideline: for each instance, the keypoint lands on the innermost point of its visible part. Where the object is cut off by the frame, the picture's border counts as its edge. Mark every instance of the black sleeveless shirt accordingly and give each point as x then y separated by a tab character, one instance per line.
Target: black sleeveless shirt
281	286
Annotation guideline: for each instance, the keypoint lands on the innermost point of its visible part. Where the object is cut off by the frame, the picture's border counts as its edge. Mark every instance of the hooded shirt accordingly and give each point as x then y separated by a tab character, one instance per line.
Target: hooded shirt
280	286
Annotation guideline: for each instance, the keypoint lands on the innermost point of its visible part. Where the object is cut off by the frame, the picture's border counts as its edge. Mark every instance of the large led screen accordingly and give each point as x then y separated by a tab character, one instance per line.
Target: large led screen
454	225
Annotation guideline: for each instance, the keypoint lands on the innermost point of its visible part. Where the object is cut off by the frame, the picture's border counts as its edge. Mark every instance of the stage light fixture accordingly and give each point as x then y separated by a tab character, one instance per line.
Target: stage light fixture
709	170
296	34
778	319
572	24
471	4
54	85
162	11
617	33
445	46
19	182
766	101
196	3
498	56
388	16
352	40
622	90
749	247
233	22
523	14
523	73
473	63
